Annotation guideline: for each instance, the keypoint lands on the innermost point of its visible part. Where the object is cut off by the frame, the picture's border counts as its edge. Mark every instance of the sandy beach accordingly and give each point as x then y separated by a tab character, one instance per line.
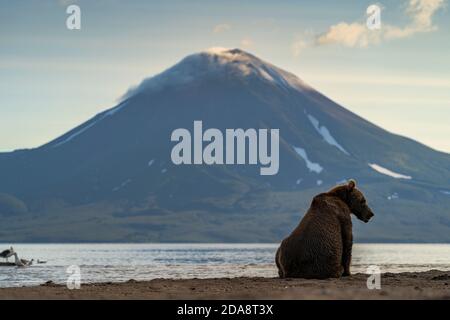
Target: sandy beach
421	285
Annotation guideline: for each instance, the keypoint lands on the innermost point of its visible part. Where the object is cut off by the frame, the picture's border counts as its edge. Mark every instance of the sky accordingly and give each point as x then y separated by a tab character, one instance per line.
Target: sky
53	79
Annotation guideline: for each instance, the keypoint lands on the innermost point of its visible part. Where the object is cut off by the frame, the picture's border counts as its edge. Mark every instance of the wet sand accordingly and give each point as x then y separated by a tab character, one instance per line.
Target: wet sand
420	285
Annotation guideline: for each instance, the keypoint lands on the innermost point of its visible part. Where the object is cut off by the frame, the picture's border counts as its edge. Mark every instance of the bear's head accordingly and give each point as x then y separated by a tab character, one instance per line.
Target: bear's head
357	202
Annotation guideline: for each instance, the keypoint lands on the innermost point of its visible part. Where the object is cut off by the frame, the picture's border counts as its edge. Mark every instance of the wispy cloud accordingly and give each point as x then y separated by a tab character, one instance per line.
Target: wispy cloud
422	12
349	35
246	43
223	27
356	34
298	46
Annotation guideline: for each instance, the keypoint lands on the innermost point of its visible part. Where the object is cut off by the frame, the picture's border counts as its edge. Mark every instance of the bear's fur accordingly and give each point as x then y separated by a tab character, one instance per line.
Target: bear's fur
321	245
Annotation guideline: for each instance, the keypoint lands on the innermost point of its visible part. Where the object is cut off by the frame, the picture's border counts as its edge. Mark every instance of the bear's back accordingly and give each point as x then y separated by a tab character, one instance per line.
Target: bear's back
322	219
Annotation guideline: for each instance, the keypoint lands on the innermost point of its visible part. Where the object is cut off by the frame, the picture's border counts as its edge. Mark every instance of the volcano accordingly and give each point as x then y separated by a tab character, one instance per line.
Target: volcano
112	178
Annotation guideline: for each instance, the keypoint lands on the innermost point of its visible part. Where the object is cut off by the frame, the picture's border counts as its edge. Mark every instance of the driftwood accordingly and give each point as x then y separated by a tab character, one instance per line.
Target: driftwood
7	264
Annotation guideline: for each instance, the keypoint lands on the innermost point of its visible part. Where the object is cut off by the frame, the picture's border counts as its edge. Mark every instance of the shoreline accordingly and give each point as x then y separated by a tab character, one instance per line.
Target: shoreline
431	284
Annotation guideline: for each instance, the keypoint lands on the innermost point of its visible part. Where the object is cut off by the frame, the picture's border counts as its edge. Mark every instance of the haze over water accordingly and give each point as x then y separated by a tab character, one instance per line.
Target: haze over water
121	262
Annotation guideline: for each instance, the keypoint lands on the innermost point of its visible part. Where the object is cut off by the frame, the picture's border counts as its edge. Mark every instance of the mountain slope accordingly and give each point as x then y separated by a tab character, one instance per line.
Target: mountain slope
112	179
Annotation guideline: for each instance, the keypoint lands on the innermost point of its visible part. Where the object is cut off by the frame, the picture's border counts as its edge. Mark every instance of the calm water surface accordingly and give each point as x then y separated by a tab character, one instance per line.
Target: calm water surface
121	262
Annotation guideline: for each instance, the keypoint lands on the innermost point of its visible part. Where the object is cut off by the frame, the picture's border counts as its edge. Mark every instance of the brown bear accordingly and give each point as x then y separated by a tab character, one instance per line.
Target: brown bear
321	245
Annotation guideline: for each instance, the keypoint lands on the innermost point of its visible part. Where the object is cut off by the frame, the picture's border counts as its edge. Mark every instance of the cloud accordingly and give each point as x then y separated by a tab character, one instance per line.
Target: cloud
349	35
223	27
298	46
422	12
246	43
357	34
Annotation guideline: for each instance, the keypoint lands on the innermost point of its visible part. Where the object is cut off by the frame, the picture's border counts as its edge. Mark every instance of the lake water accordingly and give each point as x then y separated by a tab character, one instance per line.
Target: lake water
121	262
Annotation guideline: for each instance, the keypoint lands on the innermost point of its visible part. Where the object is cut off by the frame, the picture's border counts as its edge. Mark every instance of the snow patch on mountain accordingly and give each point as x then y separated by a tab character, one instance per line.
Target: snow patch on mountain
325	133
388	172
113	111
312	166
123	184
219	62
279	77
150	163
75	134
91	123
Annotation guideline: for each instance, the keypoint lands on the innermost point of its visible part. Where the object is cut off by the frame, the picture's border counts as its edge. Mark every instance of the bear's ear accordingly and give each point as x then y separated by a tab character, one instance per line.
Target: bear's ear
351	185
